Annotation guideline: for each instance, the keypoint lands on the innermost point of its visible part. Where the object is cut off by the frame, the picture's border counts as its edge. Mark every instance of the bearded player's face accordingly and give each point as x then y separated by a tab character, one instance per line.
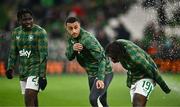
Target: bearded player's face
73	29
26	21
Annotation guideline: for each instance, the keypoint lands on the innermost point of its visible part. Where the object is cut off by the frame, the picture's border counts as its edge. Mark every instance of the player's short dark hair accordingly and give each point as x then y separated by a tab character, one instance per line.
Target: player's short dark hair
23	11
71	20
115	49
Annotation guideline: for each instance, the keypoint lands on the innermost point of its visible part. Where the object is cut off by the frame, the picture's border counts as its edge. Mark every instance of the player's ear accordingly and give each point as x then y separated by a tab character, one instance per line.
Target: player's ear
79	24
64	25
19	21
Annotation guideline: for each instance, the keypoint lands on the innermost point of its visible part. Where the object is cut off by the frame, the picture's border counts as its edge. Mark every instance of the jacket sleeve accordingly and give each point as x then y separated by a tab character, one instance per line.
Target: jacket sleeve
70	53
43	52
13	53
97	52
151	69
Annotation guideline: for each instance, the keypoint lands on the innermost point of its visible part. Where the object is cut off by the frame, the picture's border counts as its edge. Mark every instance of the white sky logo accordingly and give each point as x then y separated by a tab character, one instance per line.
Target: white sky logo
24	53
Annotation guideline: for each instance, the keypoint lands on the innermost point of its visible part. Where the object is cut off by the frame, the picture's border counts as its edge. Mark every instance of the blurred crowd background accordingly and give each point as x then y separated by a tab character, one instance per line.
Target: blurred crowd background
154	25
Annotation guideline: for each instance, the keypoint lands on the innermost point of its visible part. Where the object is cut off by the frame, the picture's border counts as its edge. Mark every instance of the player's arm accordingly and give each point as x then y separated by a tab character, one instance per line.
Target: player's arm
97	52
12	57
43	52
154	73
150	69
70	53
12	53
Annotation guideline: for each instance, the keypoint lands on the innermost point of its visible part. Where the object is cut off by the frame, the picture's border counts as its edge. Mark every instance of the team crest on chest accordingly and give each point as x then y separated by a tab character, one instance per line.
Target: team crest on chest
31	37
17	37
72	42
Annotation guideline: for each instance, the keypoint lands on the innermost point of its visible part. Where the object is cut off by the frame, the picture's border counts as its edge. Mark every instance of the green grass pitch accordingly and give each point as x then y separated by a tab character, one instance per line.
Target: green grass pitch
72	90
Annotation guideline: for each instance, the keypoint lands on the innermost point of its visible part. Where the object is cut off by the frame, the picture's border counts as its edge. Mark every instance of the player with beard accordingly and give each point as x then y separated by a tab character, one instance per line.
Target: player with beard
83	46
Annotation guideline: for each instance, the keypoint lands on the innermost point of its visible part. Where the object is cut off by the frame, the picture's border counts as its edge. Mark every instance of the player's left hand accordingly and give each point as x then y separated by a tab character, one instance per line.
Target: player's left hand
42	83
100	84
9	74
78	47
166	89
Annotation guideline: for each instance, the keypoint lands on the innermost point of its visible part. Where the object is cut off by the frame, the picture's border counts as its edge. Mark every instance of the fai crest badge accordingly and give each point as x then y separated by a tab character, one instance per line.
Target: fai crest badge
17	37
31	37
72	42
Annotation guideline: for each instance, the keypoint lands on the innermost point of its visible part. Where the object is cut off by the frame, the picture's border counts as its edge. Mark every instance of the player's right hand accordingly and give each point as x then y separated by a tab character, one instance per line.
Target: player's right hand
9	74
77	47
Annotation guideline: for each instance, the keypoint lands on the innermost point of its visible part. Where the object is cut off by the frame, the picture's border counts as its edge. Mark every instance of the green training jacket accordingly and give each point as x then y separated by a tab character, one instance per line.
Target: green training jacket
92	57
139	64
30	48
